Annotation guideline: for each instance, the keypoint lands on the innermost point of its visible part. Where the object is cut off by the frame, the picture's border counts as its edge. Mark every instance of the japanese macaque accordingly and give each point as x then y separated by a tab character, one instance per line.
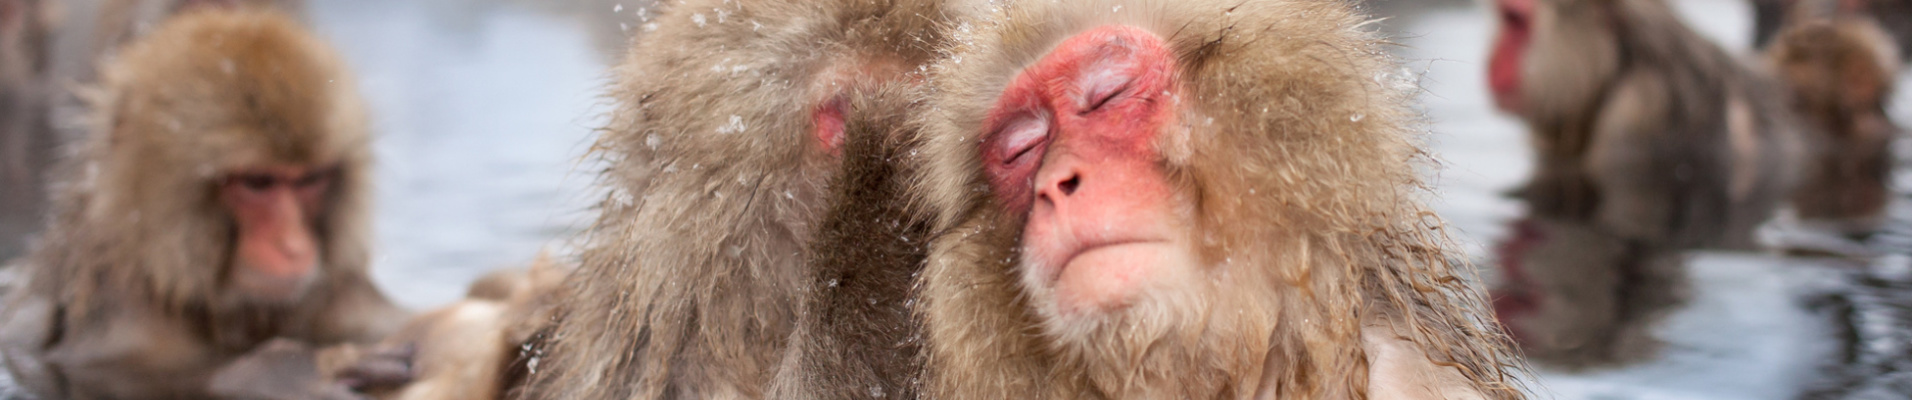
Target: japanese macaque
26	138
1194	199
727	147
1894	16
1650	141
855	334
1642	128
221	201
1841	72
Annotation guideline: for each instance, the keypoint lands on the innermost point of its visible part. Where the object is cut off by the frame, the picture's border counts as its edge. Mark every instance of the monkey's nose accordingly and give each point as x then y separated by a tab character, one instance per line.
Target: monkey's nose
1058	187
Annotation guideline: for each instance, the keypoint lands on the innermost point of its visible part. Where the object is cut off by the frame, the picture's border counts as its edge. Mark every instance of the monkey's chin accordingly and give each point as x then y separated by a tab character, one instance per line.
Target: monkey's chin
1109	278
263	289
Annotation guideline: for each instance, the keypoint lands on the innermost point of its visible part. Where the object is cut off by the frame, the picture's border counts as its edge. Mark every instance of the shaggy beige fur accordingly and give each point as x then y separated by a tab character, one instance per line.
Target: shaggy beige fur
1297	144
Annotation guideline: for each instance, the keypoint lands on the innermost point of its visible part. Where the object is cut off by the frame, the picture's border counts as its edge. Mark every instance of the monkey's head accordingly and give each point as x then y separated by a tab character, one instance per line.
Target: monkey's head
229	165
1552	56
755	91
1843	67
1170	193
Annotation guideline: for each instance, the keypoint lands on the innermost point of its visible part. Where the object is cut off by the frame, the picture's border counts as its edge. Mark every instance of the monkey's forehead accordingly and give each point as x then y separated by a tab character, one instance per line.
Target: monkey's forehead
234	85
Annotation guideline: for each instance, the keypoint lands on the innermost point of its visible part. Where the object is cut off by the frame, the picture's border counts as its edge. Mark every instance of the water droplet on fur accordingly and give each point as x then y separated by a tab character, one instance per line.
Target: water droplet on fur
736	125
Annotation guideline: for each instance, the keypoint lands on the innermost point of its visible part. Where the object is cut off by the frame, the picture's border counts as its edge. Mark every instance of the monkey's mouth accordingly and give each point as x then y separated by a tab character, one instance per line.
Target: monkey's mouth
1103	276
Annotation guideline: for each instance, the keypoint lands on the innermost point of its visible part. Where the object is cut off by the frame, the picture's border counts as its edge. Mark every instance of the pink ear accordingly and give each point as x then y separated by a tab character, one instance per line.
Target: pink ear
827	121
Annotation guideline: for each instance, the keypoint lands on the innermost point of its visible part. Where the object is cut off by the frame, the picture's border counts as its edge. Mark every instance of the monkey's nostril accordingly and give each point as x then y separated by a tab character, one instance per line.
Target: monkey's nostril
1069	186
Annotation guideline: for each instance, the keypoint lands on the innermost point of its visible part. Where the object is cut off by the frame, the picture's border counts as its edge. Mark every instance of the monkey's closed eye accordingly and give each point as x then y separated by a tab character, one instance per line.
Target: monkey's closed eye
1021	138
1105	87
1096	102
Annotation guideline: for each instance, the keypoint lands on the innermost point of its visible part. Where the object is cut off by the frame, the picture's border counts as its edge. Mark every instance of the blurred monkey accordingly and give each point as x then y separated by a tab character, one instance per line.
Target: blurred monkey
1841	72
735	182
1651	142
220	202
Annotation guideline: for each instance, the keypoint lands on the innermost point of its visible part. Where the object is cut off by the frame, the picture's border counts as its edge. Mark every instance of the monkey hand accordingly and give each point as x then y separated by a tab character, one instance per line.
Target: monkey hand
384	368
281	369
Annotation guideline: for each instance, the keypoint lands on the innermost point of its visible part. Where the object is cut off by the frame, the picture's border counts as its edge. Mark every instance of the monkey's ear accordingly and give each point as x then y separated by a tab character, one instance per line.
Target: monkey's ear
827	123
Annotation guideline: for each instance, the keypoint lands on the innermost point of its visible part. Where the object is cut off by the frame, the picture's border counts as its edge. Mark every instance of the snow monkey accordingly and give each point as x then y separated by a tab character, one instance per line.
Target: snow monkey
736	188
1772	16
1193	199
1841	72
1650	141
220	201
1641	126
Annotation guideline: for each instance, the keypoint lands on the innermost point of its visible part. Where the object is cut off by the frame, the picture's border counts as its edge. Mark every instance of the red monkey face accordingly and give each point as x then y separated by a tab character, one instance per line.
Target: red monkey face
1073	145
1510	50
275	253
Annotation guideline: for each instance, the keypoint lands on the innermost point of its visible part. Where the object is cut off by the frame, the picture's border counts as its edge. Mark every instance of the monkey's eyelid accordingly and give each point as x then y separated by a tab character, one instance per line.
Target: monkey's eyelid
1021	136
1103	84
1097	100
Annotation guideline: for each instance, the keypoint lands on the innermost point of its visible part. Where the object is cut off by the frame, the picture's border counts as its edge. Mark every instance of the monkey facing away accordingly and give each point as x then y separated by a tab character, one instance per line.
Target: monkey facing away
856	337
1197	199
220	202
726	151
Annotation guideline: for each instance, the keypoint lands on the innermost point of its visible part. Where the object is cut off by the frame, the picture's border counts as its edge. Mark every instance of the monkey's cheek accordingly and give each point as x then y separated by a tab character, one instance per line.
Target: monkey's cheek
1110	278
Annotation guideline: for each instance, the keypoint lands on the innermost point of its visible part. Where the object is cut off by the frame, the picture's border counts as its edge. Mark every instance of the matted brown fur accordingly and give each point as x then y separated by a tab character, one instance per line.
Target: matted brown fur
139	240
1301	158
689	281
856	336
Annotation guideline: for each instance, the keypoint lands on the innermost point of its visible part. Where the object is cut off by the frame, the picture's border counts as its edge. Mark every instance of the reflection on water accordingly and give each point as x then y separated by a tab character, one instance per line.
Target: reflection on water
1743	334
